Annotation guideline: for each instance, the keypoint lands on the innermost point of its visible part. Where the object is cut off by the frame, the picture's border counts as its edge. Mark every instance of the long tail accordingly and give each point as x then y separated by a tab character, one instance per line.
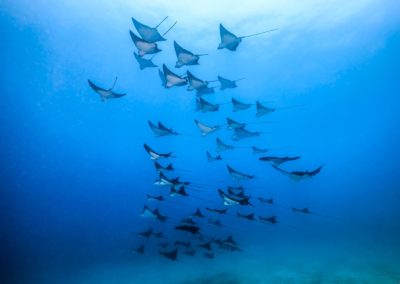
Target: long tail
162	22
240	79
202	54
170	28
264	32
115	82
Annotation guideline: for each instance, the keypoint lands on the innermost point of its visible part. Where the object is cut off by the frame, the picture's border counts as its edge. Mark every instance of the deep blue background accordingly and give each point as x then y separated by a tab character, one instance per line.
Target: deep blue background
73	171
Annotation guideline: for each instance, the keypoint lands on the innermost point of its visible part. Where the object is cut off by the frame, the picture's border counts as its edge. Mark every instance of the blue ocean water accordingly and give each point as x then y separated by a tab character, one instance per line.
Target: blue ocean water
74	173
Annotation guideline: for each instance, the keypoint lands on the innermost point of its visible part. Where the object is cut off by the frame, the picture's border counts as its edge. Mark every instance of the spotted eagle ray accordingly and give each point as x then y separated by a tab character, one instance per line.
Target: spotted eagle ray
270	219
150	34
301	210
205	91
231	41
206	245
242	132
205	106
159	198
236	189
266	200
262	110
160	168
231	200
170	255
257	150
194	82
185	57
171	79
237	194
232	124
154	214
206	129
246	216
188	228
187	221
197	214
143	62
227	84
154	155
105	94
215	222
277	161
163	180
211	158
160	130
219	211
139	250
162	78
144	47
209	255
178	192
221	146
238	175
299	175
147	234
182	244
238	106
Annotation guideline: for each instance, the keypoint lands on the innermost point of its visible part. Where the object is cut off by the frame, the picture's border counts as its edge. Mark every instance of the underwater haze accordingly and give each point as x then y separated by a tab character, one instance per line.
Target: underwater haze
83	201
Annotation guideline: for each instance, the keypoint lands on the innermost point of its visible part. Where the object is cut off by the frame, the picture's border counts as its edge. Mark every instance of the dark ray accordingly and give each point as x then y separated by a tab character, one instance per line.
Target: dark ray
146	234
188	228
206	245
182	243
209	255
171	254
277	161
301	210
270	219
269	201
299	175
197	214
155	197
215	222
190	252
219	211
139	250
246	216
